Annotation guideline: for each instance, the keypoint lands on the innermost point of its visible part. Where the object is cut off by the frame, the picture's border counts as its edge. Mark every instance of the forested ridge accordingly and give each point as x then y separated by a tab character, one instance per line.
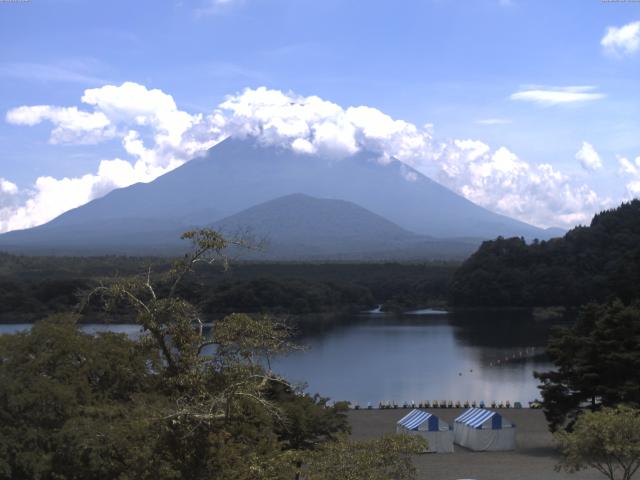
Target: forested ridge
33	287
590	263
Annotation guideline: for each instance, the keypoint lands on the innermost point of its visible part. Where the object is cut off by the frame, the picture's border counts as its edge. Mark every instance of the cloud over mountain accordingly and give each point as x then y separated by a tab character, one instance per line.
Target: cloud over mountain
156	137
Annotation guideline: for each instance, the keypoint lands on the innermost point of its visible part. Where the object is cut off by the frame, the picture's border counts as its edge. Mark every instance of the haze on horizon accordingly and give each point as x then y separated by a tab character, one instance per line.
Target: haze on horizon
527	108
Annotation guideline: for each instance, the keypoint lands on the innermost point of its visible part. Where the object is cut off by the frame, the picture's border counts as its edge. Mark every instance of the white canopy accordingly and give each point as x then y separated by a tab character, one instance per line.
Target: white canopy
438	434
484	430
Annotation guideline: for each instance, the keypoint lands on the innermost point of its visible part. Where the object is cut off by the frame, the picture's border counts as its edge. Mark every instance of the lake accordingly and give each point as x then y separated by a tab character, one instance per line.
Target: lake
423	355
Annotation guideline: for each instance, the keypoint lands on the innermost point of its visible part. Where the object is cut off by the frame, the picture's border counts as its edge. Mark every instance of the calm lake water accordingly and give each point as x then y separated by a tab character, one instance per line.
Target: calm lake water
425	356
422	355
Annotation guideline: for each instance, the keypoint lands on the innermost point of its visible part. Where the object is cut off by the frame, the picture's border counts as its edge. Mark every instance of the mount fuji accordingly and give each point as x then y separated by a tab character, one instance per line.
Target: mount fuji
309	205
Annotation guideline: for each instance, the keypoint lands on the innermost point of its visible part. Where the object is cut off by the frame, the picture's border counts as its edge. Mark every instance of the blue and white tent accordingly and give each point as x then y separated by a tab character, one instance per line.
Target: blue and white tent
484	430
438	434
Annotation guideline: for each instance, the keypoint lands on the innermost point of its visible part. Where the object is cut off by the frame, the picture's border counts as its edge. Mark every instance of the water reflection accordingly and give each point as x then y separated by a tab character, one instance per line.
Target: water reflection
461	356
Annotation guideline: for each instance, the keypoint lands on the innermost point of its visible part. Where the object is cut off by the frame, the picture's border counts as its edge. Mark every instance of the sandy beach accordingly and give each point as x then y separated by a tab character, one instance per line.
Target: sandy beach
533	459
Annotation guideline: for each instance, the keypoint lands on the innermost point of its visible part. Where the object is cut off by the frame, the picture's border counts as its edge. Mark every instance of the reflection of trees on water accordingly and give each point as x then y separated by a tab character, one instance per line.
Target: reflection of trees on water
502	337
497	338
499	329
317	325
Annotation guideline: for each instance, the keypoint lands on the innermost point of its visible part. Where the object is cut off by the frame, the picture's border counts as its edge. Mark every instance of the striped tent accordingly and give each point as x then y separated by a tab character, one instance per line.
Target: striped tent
438	434
484	430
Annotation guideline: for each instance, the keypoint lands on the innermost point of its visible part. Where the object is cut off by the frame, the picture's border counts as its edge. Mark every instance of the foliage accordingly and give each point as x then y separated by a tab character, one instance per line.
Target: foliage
54	375
588	264
309	421
34	287
181	402
381	459
597	363
607	440
286	295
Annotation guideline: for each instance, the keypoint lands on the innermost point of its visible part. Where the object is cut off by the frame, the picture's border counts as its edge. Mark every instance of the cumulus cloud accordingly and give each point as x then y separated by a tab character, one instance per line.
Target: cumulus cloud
7	187
631	170
9	202
311	124
549	96
494	178
503	182
622	41
125	112
588	157
71	124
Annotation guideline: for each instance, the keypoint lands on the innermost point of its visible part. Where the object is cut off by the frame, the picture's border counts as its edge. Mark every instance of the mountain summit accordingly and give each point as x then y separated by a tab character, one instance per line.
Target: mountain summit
238	174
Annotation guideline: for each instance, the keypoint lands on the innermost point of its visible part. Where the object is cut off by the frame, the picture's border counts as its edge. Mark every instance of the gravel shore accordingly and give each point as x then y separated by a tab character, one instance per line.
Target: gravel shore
533	459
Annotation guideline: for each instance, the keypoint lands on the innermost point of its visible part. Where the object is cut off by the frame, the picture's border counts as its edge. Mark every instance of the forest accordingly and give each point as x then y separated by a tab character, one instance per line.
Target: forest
32	287
589	264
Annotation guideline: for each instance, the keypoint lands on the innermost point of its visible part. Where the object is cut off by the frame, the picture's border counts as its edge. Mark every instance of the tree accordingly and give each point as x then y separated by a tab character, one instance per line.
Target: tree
607	440
55	375
309	421
597	363
381	459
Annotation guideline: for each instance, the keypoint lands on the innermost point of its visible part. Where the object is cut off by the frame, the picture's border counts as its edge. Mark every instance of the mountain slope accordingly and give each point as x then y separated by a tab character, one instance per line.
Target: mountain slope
238	174
301	219
298	226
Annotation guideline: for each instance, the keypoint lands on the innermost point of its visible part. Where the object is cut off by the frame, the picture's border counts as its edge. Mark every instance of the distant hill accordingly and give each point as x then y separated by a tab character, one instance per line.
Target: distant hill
299	226
238	174
588	264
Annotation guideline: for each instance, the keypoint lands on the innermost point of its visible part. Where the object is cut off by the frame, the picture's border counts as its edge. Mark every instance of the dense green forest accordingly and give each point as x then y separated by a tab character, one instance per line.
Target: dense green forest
590	263
33	287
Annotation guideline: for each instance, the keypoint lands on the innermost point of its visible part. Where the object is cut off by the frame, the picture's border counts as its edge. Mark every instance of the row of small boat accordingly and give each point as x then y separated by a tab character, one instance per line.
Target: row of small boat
384	405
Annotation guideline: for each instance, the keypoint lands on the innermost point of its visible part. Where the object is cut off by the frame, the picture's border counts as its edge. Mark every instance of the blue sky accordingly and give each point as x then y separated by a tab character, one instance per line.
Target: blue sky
533	78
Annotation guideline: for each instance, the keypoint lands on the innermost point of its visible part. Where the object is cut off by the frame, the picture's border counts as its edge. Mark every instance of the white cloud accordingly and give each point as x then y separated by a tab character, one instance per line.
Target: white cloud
71	124
9	202
622	41
631	170
557	95
626	166
493	121
503	182
124	112
496	179
156	137
131	102
7	187
588	157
